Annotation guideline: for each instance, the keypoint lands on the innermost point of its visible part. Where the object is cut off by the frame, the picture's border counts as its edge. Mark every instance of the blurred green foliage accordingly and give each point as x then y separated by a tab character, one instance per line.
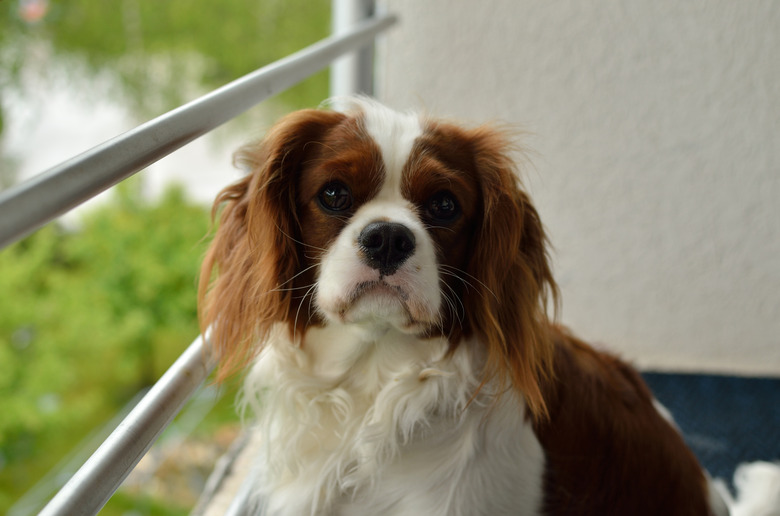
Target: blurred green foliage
88	318
153	45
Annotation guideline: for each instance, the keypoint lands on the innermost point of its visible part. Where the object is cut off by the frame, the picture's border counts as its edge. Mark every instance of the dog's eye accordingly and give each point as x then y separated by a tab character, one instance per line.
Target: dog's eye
335	197
442	207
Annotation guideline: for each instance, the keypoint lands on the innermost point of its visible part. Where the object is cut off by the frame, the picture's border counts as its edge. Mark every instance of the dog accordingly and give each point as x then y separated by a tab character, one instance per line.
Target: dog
385	281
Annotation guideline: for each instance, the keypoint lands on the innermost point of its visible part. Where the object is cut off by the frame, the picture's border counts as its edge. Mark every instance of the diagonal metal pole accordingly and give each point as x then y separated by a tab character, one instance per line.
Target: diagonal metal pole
29	205
92	485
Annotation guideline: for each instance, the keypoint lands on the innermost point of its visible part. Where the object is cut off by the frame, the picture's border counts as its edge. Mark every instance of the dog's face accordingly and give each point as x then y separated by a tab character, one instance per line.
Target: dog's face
386	223
382	220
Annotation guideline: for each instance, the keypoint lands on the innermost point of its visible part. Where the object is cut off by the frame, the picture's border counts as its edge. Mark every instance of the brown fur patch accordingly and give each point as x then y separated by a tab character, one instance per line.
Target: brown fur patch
608	449
271	230
496	256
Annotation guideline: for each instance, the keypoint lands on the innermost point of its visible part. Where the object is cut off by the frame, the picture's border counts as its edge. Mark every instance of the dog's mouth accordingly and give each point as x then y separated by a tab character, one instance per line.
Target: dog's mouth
376	296
380	302
379	288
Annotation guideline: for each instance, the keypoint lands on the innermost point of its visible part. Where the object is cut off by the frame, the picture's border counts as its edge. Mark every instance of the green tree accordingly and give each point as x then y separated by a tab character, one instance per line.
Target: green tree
158	49
87	318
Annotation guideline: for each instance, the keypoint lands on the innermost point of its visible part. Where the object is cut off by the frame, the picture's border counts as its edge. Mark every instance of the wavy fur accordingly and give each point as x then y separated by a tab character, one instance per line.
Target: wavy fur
386	282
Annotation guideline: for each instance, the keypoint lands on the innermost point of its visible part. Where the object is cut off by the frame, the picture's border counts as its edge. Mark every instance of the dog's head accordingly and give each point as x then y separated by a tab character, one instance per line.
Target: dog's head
387	221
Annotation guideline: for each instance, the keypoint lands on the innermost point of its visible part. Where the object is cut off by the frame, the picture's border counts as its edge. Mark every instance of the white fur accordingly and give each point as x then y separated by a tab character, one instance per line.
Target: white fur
364	417
387	428
758	490
394	133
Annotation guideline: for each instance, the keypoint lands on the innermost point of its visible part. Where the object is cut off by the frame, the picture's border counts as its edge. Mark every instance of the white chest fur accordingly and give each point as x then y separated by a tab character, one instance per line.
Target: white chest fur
389	426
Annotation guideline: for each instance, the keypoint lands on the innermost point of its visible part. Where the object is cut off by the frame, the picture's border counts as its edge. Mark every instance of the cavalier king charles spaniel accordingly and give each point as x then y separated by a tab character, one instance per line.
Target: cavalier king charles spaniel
386	281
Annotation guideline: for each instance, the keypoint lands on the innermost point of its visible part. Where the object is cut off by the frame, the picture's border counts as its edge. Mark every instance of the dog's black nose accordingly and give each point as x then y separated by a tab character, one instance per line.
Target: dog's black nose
386	246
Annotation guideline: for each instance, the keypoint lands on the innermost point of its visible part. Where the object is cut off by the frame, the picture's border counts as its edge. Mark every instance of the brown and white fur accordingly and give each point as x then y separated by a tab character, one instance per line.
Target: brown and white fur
386	280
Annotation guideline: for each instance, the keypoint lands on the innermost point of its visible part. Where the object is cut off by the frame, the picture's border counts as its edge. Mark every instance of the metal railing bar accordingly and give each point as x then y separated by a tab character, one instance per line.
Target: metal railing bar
241	503
353	72
94	483
26	207
52	481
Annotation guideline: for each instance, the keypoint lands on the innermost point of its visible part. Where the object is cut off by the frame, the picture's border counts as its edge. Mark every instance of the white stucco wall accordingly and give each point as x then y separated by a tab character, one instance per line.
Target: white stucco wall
657	156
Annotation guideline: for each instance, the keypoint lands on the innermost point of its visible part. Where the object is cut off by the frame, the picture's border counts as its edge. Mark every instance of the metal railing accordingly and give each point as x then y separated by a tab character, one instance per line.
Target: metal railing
93	484
26	207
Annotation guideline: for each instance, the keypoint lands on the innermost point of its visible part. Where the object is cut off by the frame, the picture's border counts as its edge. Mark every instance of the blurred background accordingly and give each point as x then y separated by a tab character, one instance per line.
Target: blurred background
95	307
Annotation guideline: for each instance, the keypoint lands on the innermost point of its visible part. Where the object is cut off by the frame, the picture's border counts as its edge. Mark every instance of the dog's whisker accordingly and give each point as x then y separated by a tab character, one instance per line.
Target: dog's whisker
299	242
304	271
292	289
300	305
429	227
451	303
457	272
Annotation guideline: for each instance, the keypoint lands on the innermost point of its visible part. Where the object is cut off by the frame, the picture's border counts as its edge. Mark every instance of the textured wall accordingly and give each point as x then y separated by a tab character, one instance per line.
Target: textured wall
656	163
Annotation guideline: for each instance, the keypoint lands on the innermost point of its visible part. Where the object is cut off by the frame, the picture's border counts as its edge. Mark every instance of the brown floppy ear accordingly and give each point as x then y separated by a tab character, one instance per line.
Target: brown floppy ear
245	282
511	262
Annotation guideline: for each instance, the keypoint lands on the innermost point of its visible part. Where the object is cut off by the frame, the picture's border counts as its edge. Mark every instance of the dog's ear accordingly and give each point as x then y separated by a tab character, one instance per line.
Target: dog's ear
245	283
511	262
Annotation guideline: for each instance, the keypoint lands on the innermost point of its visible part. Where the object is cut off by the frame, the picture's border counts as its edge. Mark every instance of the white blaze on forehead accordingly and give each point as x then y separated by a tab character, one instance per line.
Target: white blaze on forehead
394	134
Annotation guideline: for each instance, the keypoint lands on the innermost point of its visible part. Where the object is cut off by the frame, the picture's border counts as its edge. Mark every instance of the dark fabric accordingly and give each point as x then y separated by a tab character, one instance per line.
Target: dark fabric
726	420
